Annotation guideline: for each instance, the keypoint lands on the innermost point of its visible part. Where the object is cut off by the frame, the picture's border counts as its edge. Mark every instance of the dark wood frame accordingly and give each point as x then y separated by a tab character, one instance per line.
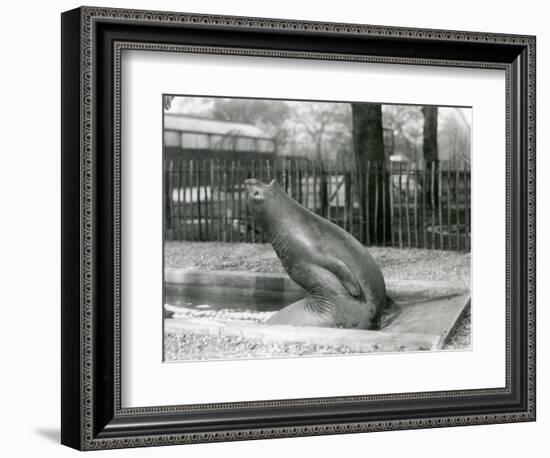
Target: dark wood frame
92	40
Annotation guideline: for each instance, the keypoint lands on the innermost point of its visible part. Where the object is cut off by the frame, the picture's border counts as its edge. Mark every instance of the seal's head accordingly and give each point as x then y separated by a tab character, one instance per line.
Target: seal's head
263	198
257	191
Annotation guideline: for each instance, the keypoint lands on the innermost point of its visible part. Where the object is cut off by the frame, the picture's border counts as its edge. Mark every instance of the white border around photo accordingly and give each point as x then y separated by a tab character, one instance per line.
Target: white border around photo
147	381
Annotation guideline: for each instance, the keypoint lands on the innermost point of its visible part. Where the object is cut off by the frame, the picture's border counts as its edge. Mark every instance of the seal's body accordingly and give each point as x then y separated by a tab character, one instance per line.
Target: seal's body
344	285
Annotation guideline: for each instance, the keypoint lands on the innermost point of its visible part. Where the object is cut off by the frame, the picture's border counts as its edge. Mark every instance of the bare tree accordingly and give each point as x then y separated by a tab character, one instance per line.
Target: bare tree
454	135
406	123
167	101
315	119
429	149
368	144
322	128
269	115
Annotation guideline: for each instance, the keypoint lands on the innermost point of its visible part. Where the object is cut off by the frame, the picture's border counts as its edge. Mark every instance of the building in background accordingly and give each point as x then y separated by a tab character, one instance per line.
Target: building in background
193	137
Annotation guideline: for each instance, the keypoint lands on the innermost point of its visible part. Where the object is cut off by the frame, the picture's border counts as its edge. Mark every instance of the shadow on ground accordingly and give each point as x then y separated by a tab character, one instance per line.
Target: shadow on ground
52	435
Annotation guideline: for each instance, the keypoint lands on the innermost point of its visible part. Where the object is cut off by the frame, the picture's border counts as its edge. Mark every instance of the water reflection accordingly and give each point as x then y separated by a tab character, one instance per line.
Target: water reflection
202	298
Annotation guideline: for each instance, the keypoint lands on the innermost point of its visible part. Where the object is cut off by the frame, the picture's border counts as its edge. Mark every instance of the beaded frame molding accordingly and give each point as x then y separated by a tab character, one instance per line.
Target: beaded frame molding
92	42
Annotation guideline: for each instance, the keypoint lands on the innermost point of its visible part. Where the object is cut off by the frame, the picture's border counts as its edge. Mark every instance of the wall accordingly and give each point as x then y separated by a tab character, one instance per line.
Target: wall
30	244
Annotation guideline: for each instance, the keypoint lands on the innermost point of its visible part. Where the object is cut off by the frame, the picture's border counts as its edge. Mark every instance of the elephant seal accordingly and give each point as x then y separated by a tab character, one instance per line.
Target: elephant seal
345	287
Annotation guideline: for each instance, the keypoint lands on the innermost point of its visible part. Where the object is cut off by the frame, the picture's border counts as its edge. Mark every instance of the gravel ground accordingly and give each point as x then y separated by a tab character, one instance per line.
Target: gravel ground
397	264
402	264
462	337
181	347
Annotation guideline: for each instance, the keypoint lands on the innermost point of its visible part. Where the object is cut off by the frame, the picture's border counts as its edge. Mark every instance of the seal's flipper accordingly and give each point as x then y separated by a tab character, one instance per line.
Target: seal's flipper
344	274
390	312
301	313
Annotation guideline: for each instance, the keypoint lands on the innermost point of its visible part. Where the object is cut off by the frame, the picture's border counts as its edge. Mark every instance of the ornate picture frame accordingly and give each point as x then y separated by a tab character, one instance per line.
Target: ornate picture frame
93	40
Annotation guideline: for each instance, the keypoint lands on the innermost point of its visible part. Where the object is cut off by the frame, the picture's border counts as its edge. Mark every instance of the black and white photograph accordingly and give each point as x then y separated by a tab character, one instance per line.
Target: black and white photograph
275	229
305	228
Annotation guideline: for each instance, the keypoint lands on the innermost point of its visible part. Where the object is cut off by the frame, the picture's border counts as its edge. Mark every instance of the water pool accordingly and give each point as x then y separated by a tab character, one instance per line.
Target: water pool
205	298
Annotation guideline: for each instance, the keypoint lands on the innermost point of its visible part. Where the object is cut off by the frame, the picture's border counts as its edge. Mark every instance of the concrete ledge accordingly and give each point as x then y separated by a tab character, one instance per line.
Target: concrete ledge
254	282
437	316
280	283
420	326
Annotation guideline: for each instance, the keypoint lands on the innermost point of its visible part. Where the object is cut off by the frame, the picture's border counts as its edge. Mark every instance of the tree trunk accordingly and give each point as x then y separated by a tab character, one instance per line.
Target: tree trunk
429	150
323	185
167	199
368	145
